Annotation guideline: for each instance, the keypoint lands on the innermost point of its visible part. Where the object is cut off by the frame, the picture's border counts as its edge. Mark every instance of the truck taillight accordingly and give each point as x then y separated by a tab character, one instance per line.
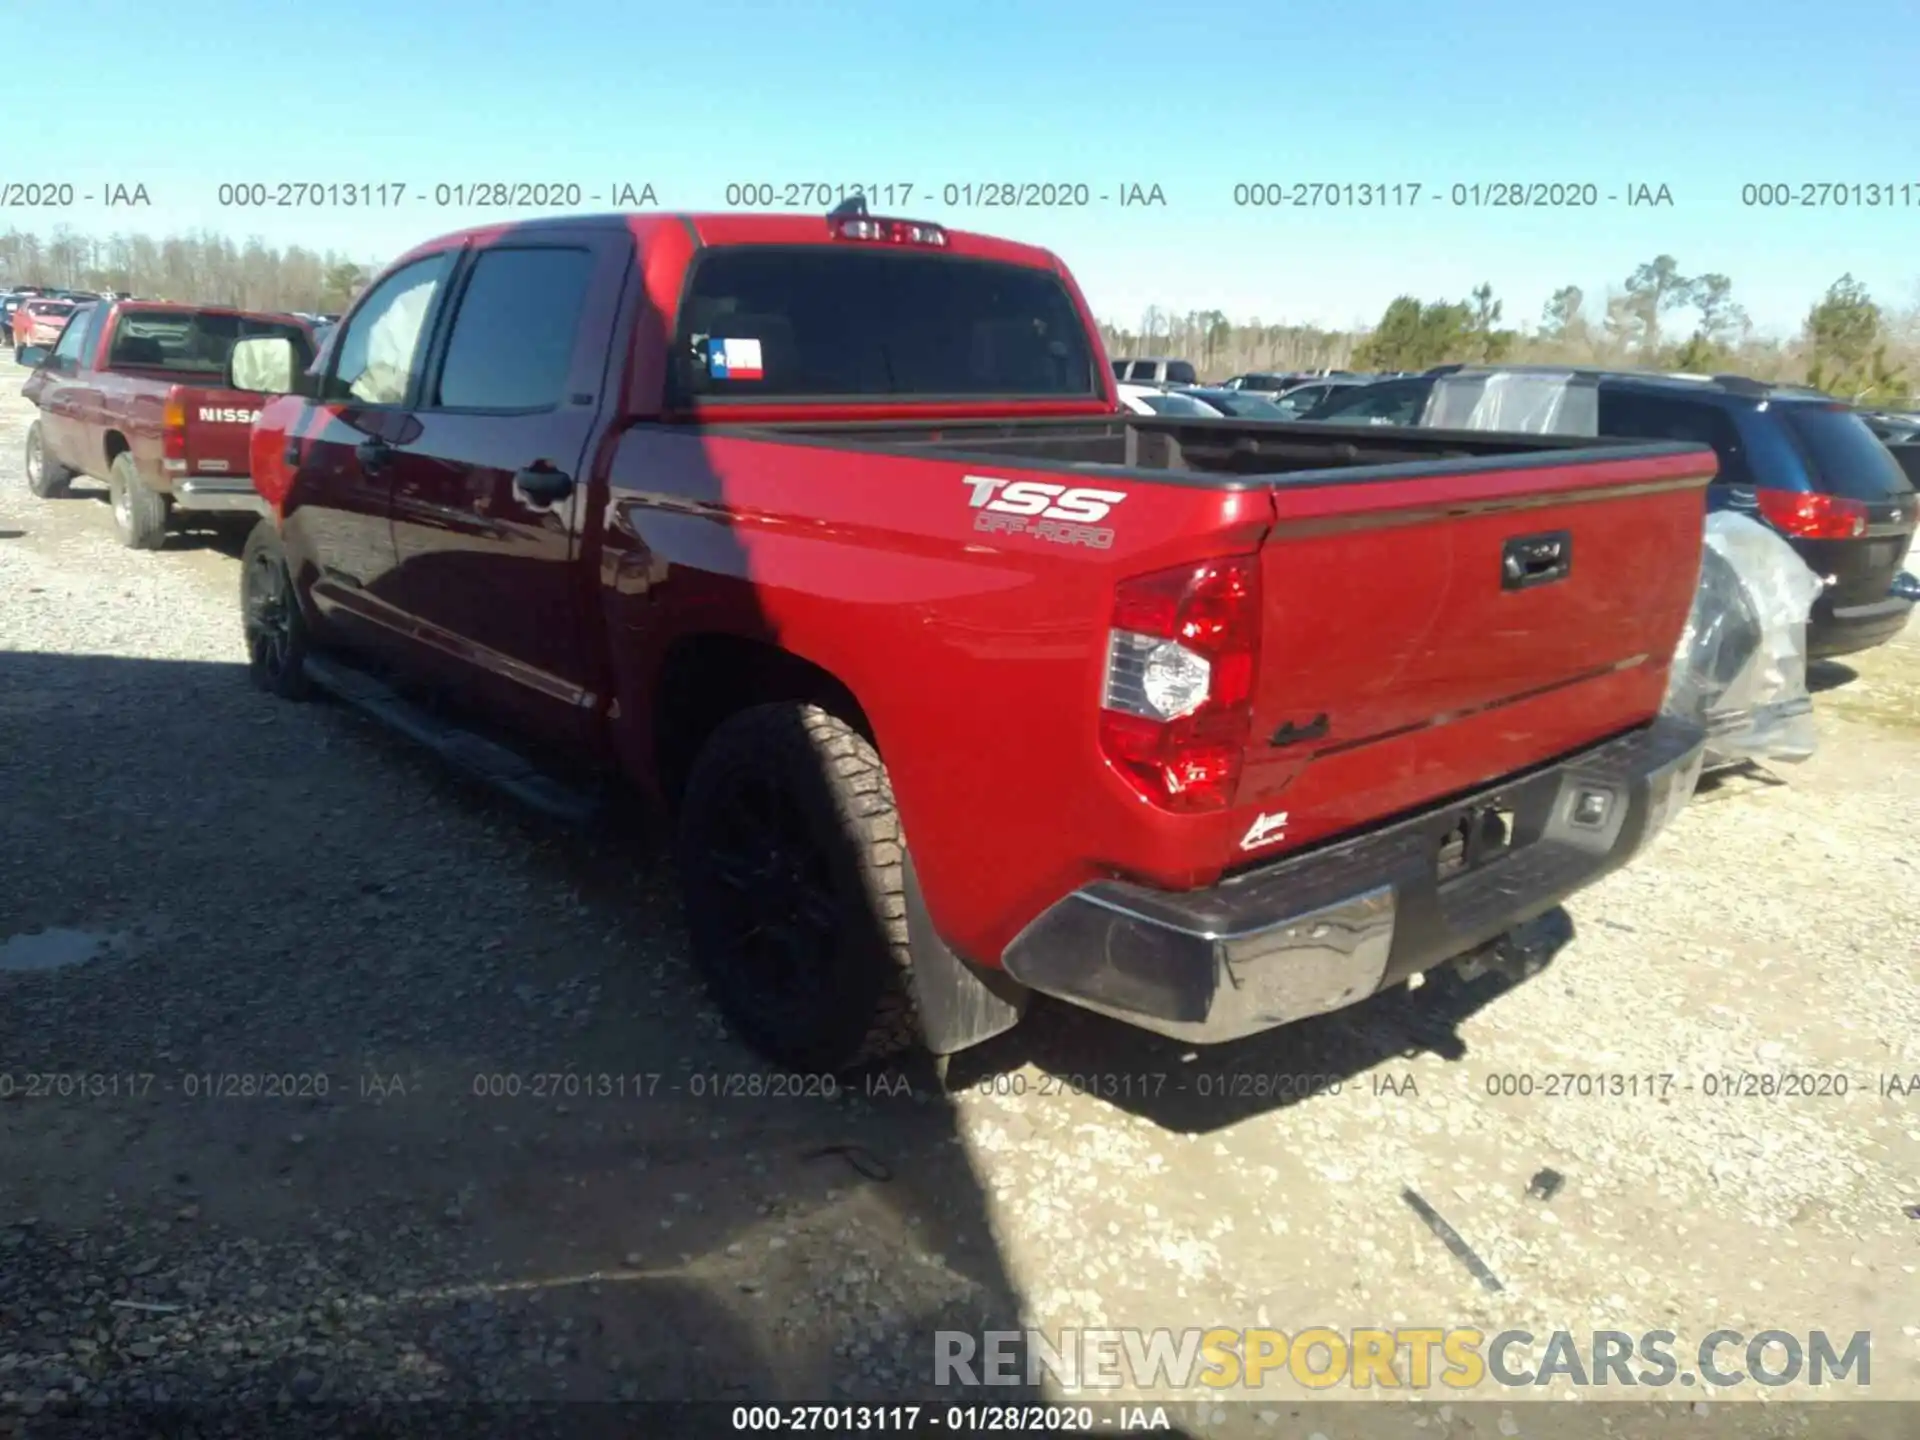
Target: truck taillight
1811	516
271	460
889	232
1178	702
173	425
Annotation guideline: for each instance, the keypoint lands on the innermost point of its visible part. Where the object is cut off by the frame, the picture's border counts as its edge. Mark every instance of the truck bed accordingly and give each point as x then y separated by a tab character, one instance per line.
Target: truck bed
1222	451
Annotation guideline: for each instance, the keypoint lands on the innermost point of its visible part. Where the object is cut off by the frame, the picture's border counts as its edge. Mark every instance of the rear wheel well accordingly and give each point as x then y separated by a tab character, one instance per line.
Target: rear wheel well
116	446
707	678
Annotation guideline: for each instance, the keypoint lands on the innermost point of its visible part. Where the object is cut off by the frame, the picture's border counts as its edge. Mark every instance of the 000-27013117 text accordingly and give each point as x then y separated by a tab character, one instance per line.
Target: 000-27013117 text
471	195
895	195
915	1419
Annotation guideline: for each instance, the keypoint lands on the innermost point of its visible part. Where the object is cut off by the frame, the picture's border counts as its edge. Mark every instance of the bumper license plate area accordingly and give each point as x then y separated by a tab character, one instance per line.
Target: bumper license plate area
1481	835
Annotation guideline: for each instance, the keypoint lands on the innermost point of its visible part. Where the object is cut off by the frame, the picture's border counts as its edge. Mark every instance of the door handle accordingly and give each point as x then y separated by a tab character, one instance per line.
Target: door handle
1529	560
373	455
543	484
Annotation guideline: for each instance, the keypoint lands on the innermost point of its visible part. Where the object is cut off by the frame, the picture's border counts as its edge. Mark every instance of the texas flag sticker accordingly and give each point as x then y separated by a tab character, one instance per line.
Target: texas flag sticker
734	360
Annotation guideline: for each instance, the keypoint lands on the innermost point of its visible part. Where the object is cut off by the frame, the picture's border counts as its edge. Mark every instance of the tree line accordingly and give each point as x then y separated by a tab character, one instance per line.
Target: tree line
204	268
1849	344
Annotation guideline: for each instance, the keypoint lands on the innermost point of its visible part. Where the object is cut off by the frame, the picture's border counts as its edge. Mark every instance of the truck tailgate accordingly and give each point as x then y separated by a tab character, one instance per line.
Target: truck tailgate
219	425
1425	633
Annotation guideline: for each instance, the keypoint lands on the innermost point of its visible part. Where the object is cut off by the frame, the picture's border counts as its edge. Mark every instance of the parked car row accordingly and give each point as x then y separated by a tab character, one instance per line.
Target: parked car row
41	301
814	531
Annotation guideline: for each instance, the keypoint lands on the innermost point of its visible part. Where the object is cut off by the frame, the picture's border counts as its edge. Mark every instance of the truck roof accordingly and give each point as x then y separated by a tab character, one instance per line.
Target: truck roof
739	228
176	307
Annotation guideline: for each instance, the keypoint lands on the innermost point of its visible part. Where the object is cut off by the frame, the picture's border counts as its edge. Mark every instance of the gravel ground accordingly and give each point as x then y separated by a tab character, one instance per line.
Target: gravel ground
274	890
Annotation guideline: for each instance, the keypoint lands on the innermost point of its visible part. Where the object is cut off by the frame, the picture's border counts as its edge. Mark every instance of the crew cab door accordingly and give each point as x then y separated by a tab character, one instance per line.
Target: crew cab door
87	394
490	488
56	388
337	528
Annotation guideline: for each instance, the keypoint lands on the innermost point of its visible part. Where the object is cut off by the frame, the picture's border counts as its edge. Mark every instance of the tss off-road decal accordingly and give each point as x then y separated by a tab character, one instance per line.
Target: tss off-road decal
1066	515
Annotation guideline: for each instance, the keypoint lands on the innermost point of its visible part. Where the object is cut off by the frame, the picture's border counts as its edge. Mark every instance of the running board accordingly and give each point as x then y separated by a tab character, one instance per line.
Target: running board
485	760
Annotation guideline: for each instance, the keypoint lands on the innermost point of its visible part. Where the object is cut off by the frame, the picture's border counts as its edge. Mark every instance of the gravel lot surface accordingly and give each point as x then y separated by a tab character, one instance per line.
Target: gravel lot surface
286	891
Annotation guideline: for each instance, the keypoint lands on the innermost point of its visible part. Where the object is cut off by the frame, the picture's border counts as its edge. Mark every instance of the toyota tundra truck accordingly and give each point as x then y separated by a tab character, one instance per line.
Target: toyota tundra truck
827	535
135	394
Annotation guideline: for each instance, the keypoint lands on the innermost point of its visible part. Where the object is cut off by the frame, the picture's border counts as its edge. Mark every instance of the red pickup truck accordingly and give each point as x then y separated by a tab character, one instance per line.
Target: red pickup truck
827	534
135	394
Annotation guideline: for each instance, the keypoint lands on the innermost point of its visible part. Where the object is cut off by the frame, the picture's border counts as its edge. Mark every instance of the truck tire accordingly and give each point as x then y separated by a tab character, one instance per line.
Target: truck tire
139	513
46	477
791	868
277	639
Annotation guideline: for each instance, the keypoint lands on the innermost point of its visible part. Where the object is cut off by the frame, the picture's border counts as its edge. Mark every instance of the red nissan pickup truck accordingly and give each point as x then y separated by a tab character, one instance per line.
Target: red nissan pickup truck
828	535
135	394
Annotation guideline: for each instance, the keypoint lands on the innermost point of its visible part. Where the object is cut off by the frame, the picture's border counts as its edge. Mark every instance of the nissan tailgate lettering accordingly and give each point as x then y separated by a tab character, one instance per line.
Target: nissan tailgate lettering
228	415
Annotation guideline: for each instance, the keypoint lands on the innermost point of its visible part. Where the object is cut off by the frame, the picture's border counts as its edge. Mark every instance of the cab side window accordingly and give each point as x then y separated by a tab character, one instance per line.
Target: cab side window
379	350
96	319
511	344
66	353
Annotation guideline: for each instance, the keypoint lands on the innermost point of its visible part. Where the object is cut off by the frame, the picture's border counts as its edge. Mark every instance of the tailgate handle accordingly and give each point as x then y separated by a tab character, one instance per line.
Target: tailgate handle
1529	560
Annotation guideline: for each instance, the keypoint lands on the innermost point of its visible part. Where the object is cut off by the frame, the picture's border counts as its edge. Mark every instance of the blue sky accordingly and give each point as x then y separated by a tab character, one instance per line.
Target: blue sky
1698	95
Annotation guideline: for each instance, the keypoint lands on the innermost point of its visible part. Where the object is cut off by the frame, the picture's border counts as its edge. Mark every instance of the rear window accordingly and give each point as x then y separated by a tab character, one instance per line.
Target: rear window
1164	404
1391	404
1179	372
1246	407
1846	457
819	322
1747	458
52	309
194	342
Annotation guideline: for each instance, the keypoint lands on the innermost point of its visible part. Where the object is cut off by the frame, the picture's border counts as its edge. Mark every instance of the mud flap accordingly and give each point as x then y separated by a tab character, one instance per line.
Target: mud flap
959	1004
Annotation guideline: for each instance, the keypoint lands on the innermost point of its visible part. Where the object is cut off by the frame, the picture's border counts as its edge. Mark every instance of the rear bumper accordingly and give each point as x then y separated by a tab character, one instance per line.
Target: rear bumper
1323	930
1846	629
220	494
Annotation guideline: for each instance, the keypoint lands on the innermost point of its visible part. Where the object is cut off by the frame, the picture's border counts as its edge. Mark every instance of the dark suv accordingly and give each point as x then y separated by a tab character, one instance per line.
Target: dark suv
1800	461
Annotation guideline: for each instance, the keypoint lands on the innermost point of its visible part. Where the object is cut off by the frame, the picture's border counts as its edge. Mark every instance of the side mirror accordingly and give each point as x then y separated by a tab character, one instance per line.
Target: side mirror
31	356
266	365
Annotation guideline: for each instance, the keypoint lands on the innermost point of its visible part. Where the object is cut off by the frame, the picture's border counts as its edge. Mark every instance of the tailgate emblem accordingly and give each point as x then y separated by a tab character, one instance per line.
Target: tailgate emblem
1265	830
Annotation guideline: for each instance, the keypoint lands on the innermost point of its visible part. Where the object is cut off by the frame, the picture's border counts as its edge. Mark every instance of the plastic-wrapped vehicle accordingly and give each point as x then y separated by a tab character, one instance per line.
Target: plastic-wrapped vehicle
1741	668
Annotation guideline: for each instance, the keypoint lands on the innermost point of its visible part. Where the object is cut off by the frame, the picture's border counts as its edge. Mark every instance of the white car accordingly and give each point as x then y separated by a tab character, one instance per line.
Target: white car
1145	400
